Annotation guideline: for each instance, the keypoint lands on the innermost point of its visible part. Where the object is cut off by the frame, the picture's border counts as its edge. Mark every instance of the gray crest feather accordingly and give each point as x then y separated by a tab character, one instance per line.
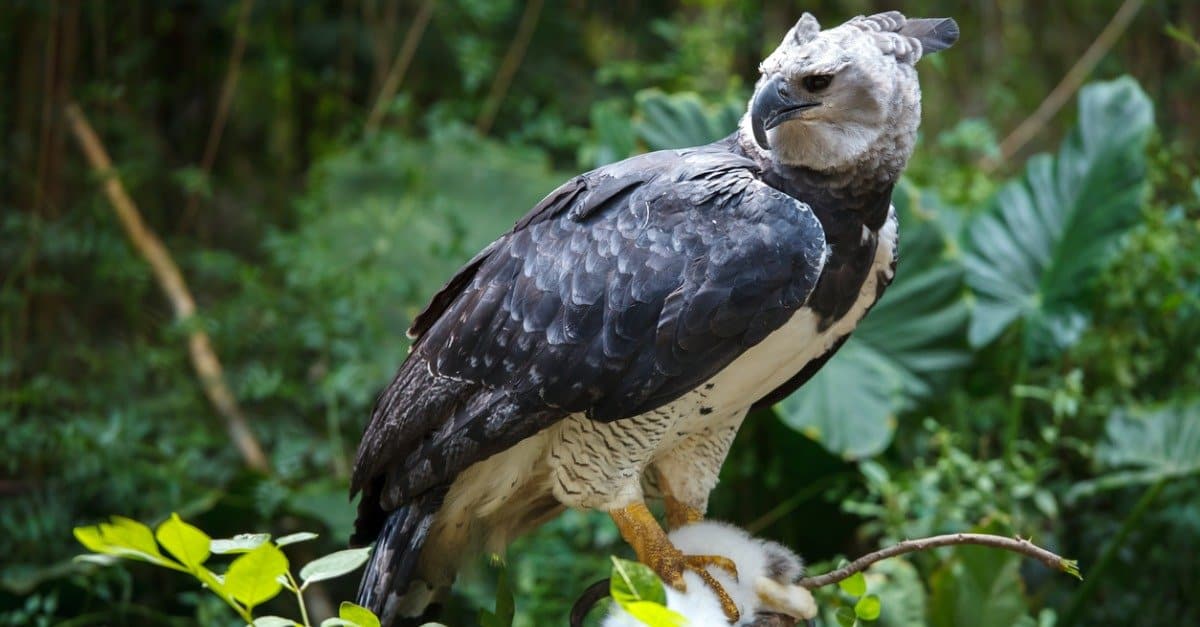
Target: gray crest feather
935	34
888	22
805	30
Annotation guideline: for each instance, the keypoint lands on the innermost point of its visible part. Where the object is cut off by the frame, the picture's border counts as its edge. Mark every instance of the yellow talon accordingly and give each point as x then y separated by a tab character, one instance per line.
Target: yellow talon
654	549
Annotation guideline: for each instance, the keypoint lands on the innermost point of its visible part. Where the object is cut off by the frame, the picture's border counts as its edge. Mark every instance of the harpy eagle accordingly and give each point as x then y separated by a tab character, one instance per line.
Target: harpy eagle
612	342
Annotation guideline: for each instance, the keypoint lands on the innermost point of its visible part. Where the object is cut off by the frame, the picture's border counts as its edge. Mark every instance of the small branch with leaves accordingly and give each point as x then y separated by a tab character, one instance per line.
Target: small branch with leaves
258	574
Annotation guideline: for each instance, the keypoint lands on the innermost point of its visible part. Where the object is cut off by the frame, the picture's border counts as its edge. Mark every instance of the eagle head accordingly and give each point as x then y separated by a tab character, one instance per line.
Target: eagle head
830	99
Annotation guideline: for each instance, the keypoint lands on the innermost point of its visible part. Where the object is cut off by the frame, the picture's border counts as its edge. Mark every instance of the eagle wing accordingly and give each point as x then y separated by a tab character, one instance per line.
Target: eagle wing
624	289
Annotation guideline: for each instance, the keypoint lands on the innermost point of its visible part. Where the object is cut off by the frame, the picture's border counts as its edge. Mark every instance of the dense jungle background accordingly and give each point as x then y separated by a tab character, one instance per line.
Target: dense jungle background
316	169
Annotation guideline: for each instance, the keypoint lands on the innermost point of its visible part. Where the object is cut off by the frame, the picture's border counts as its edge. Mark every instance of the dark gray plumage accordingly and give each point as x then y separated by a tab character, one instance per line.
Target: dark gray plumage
623	289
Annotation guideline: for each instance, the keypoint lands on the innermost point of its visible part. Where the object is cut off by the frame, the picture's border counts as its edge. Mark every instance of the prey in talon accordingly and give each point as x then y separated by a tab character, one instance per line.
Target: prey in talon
622	330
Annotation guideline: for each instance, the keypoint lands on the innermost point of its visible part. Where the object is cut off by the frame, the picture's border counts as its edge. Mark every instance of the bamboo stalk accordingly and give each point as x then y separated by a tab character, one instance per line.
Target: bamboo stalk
170	279
395	75
508	67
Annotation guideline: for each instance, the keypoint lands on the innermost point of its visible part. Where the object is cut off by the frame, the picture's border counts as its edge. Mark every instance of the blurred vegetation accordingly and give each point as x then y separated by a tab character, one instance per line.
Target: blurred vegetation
1033	371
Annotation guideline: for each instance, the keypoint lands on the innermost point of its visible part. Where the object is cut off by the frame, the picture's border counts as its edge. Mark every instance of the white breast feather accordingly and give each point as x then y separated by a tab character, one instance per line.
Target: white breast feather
769	364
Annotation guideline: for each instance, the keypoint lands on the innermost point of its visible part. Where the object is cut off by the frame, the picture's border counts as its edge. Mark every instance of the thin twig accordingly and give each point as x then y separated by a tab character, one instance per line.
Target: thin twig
1017	545
508	67
170	279
224	103
1066	88
395	76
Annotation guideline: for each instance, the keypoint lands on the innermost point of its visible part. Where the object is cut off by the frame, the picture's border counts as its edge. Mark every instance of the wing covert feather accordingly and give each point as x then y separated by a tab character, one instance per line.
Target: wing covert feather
621	291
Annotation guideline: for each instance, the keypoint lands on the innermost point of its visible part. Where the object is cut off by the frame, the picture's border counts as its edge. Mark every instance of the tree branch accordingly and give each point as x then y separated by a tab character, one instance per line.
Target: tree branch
508	67
599	590
170	279
1016	545
395	75
1066	88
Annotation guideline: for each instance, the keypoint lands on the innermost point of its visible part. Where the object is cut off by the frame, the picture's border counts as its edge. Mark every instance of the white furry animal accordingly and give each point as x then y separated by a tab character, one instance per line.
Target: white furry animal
767	572
618	335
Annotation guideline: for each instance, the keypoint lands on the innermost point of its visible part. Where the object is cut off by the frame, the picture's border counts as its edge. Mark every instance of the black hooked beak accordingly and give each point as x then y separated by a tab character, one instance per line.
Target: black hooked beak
773	105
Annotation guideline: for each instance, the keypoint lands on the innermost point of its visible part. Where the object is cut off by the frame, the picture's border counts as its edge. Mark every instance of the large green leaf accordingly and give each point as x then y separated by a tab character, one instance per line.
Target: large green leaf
1032	253
899	587
978	586
661	122
683	120
505	604
912	335
1147	447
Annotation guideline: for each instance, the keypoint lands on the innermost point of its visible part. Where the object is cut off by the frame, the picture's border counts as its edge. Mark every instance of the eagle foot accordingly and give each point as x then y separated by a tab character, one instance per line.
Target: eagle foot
654	549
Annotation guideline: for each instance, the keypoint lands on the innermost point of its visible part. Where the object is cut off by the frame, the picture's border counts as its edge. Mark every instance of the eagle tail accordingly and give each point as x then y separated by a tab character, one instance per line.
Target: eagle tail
390	587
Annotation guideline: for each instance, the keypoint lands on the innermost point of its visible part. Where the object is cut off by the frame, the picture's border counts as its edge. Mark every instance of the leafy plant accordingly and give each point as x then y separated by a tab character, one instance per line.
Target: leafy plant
865	607
258	573
1146	447
683	120
1032	254
662	122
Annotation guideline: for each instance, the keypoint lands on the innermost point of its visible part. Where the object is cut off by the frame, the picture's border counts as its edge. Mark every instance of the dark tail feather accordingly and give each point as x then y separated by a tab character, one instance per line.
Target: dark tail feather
392	568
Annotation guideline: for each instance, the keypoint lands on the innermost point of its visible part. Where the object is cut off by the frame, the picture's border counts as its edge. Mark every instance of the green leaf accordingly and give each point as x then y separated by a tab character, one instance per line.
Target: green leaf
91	539
683	120
273	621
655	615
613	133
900	589
913	336
357	614
293	538
337	621
978	586
252	578
868	607
122	537
854	585
130	534
1146	446
1032	254
333	565
240	543
186	543
505	608
845	617
633	581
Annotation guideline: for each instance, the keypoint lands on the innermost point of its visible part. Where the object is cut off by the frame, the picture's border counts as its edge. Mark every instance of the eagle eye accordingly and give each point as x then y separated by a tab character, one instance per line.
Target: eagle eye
817	82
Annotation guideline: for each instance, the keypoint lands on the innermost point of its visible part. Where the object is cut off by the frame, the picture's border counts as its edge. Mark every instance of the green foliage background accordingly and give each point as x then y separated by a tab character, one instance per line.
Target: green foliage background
1033	371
